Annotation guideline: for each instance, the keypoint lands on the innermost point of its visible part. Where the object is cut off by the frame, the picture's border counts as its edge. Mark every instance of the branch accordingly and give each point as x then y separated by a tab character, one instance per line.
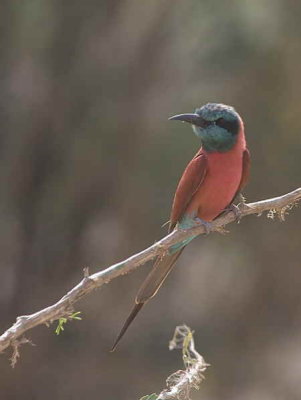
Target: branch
64	307
180	383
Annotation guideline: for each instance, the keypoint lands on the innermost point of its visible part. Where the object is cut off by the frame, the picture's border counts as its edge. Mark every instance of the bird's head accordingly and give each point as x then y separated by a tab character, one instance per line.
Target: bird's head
217	125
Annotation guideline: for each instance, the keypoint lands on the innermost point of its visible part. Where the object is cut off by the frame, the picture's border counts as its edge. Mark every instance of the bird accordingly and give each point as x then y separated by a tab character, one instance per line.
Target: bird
210	183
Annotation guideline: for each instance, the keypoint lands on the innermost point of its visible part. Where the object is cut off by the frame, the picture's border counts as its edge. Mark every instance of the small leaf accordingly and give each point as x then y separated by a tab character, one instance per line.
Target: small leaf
76	315
153	396
60	327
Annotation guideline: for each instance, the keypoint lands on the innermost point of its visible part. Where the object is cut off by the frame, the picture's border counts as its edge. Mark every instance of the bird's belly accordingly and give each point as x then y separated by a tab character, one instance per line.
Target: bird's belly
219	186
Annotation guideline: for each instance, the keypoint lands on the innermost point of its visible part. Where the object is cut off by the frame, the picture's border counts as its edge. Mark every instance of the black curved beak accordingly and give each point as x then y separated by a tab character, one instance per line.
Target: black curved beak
191	118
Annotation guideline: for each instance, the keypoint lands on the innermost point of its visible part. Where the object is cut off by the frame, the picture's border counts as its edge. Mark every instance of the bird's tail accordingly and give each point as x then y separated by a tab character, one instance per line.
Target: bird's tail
150	287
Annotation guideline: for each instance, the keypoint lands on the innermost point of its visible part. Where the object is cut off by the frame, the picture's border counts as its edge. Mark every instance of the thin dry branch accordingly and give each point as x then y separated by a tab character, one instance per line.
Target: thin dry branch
64	307
180	383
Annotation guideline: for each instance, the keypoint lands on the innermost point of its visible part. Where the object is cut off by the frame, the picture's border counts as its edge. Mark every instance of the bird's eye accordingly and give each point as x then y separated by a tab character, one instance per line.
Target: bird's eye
221	122
230	126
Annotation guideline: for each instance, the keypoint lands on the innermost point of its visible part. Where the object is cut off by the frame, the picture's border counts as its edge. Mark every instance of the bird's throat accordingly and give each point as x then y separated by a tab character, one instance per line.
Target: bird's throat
216	139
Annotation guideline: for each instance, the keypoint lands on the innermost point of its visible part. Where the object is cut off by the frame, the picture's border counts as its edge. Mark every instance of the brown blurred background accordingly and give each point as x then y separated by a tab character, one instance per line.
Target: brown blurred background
88	168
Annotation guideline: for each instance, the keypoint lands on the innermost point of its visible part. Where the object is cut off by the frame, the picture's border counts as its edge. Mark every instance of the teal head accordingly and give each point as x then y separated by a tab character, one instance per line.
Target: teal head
217	125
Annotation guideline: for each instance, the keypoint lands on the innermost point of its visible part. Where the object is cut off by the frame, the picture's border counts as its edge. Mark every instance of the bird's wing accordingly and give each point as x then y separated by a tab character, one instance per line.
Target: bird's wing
192	178
245	173
245	170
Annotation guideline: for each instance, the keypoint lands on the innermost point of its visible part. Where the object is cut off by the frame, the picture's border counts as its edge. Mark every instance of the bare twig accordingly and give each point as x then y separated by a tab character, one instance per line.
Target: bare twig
16	346
64	307
180	383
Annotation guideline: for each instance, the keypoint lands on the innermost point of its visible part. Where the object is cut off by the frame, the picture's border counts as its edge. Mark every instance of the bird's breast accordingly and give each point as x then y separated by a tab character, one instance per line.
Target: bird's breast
224	172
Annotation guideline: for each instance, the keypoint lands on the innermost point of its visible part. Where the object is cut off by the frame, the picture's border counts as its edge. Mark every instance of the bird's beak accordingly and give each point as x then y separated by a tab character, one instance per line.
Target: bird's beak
194	119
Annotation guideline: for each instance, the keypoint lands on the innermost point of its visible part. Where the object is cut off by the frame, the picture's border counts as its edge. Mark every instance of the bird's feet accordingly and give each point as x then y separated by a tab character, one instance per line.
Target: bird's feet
236	211
207	225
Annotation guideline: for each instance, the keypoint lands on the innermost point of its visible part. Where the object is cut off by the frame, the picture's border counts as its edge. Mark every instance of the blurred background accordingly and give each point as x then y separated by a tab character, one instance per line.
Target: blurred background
88	168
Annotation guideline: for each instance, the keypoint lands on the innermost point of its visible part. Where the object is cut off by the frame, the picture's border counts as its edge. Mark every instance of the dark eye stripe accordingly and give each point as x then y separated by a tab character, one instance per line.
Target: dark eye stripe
203	123
231	126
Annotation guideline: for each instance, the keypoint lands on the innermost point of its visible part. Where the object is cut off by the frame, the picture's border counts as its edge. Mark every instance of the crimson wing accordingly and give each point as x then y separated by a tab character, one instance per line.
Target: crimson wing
245	173
190	181
245	170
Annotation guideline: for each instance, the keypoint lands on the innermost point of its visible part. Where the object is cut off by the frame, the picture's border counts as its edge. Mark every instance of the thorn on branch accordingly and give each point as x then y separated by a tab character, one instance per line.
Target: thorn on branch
21	319
86	272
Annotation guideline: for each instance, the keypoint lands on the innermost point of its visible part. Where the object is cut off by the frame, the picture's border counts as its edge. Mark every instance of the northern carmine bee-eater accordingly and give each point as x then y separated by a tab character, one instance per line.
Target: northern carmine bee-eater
209	185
